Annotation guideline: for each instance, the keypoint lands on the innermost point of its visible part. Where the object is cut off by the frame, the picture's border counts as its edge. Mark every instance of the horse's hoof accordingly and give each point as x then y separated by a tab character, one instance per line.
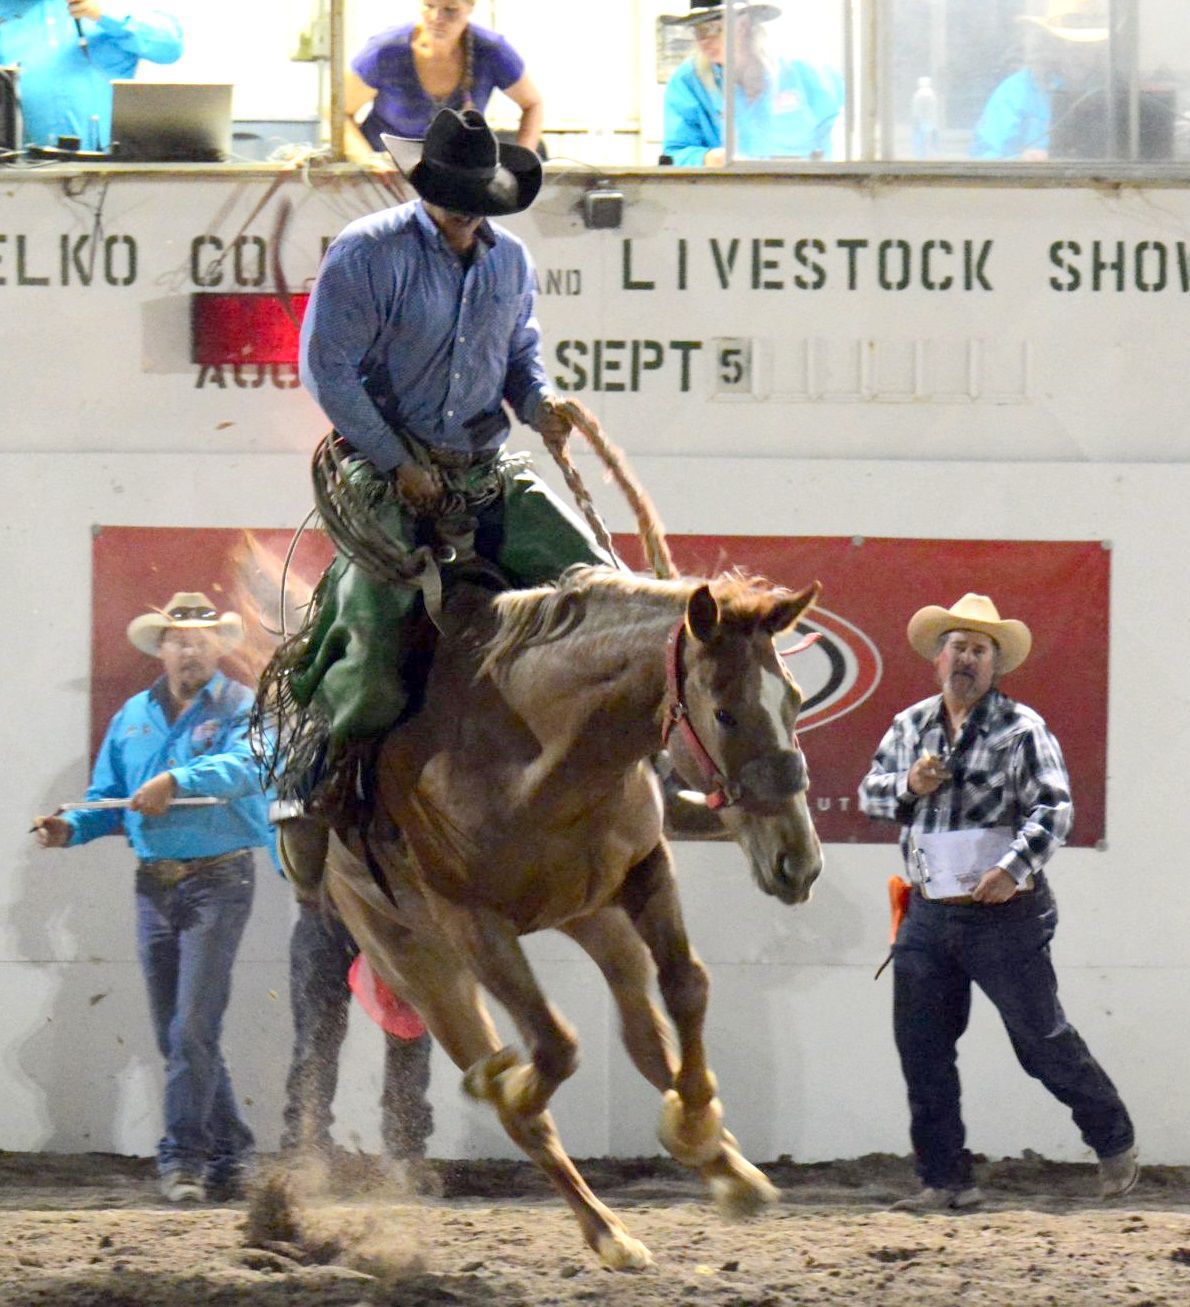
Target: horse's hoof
619	1251
743	1191
480	1080
694	1139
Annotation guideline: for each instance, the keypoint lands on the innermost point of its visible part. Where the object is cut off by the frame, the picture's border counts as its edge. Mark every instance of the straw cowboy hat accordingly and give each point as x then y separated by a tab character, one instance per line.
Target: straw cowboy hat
1083	21
970	613
462	167
703	11
186	611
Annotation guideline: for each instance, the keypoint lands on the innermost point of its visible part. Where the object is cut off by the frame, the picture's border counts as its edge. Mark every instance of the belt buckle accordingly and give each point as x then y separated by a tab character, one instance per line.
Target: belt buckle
167	870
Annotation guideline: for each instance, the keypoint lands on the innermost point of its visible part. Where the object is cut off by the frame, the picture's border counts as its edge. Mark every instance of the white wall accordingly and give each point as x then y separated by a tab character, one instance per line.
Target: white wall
105	423
799	1033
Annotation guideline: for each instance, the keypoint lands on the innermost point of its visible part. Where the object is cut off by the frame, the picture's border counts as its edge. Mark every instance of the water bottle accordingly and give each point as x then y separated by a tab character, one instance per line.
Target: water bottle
924	115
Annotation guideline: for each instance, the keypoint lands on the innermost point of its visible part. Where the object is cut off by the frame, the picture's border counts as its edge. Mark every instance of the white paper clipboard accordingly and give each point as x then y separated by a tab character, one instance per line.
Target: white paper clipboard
948	864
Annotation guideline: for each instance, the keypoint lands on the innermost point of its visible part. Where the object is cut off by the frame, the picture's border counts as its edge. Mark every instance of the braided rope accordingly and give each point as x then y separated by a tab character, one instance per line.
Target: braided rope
648	524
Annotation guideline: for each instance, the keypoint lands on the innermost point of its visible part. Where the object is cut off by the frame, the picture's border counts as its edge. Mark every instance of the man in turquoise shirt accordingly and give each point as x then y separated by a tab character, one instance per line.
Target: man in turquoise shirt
185	738
69	52
1066	63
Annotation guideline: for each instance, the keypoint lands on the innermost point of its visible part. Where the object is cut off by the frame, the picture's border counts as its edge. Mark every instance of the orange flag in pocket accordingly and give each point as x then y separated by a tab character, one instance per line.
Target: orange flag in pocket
899	891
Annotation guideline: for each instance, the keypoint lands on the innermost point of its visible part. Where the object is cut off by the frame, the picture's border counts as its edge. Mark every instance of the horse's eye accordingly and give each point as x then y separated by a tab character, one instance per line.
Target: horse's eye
724	718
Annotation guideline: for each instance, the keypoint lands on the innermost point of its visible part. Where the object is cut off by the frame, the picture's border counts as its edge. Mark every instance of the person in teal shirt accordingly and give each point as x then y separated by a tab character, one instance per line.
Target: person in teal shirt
784	108
1066	64
178	761
69	52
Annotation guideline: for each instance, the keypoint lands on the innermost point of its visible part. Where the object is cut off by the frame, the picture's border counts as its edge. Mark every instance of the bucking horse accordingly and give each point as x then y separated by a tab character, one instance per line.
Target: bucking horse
523	797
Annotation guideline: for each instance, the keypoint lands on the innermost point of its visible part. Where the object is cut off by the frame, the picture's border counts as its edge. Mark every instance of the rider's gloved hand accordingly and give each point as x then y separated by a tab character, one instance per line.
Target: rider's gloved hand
551	418
420	487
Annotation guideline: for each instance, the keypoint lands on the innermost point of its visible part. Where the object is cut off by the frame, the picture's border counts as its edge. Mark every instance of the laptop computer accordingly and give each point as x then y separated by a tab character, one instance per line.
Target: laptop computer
171	122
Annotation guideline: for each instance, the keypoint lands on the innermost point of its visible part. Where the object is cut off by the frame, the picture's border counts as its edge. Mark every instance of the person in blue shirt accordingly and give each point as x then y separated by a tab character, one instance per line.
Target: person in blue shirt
69	52
185	738
784	108
1067	63
419	330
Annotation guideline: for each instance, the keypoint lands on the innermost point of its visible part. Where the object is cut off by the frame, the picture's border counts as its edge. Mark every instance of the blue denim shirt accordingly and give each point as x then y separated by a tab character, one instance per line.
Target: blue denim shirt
66	90
206	750
399	335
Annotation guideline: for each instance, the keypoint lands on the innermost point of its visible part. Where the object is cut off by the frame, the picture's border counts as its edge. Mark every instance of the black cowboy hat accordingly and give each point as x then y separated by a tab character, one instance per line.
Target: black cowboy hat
703	11
462	167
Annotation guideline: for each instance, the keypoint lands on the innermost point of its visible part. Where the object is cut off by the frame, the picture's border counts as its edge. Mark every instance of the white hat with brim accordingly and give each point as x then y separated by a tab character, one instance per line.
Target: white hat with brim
971	613
759	13
1072	20
186	611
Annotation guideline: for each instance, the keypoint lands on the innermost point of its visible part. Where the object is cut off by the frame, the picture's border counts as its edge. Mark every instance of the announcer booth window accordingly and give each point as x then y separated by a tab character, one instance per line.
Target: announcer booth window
1060	82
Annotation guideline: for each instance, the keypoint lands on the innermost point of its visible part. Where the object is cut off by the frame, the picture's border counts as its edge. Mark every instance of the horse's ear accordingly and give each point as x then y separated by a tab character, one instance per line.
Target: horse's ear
702	615
786	611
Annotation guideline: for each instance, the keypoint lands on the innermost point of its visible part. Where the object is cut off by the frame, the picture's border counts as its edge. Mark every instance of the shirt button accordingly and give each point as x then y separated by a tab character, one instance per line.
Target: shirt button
450	412
462	340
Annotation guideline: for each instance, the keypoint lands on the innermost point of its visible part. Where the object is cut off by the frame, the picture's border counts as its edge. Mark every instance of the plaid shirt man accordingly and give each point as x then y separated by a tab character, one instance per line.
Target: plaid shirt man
1006	769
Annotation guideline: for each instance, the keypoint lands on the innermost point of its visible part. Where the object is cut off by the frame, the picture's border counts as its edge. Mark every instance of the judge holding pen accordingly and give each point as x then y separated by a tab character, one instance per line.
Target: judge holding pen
69	52
182	741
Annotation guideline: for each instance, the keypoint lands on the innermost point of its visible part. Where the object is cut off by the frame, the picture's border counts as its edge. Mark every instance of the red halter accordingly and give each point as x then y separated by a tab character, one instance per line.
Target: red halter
719	792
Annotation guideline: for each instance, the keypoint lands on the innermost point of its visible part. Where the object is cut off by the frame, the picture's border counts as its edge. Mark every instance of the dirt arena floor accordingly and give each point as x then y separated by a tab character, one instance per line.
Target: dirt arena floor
90	1231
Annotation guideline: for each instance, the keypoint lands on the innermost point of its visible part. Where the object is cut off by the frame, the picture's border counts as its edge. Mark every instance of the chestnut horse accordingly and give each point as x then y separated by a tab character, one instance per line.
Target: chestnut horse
525	799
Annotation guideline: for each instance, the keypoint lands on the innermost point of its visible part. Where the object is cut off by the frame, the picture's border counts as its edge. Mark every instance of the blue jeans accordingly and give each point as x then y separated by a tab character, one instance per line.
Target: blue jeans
187	937
940	950
321	951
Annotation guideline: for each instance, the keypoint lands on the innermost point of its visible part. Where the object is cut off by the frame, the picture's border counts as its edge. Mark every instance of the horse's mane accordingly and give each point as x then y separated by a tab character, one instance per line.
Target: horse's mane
603	597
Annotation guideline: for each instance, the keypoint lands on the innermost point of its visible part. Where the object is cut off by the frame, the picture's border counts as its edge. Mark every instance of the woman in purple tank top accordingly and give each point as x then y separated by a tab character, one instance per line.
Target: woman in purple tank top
408	73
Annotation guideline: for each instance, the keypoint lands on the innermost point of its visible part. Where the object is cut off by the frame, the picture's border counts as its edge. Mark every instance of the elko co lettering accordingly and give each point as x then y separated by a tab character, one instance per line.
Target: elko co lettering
77	261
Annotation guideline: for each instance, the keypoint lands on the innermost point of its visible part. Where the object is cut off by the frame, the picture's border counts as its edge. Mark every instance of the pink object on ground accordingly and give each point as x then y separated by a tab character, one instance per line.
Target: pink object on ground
392	1014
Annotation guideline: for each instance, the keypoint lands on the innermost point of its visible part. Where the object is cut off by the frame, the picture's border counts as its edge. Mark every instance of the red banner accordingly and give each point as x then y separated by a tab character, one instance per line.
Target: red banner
854	679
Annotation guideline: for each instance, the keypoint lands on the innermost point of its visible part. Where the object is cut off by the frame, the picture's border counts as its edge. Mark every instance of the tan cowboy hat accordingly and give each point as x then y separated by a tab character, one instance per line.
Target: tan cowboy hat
970	613
187	610
1083	21
461	166
703	11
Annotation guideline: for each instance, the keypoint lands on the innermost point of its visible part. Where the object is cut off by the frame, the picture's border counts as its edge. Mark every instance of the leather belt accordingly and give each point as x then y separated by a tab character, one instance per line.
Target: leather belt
169	871
965	900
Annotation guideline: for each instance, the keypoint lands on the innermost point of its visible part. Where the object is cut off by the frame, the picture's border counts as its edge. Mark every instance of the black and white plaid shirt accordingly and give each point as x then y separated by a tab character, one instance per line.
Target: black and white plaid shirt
1006	770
